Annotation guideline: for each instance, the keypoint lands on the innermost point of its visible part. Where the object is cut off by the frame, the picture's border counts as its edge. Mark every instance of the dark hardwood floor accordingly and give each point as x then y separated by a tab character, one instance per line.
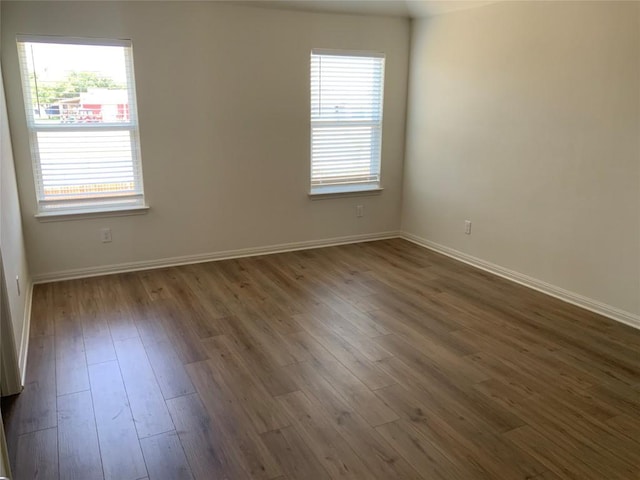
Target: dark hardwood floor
378	360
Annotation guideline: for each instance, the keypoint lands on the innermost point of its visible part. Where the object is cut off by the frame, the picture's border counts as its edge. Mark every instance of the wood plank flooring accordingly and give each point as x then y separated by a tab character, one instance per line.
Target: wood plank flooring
377	360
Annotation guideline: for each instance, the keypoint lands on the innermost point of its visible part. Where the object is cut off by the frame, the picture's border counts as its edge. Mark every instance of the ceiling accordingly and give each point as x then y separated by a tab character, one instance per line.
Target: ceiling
399	8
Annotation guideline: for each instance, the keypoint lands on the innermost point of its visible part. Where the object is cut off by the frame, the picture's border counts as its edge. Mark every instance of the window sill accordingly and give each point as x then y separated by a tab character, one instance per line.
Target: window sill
323	193
68	215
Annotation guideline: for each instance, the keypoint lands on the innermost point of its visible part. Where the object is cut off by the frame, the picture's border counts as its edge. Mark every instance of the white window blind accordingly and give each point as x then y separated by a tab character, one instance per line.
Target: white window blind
346	120
82	119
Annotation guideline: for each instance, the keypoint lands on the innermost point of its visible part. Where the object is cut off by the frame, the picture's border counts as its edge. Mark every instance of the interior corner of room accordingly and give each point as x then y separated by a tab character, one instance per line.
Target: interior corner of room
521	118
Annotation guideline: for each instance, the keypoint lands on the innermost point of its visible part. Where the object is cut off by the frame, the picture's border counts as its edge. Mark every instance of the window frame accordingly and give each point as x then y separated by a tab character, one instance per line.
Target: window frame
332	190
108	205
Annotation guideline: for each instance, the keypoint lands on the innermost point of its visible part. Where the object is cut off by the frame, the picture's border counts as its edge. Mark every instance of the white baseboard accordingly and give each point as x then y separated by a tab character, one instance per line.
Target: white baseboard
613	313
609	311
24	341
207	257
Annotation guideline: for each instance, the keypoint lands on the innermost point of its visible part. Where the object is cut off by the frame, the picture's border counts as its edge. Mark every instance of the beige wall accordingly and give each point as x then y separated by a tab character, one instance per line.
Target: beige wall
223	100
524	118
11	240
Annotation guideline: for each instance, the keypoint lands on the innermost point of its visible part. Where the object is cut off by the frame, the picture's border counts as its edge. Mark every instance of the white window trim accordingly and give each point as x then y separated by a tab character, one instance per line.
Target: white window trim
343	192
317	192
99	209
95	213
347	53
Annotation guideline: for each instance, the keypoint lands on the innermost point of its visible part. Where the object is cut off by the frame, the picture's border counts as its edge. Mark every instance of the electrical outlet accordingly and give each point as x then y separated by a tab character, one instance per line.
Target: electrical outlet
467	227
18	283
359	210
105	235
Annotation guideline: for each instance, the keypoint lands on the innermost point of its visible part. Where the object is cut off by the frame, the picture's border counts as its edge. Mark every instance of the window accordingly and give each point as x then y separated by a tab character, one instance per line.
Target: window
82	120
346	121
